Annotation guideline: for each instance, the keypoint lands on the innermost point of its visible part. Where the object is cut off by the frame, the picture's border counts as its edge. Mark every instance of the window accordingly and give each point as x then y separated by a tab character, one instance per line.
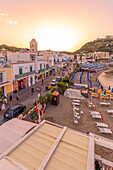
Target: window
1	77
58	60
54	60
20	70
30	68
47	66
40	66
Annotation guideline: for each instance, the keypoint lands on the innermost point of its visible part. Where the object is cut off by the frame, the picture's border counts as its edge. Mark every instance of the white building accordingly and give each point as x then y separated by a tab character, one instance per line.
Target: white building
21	57
23	75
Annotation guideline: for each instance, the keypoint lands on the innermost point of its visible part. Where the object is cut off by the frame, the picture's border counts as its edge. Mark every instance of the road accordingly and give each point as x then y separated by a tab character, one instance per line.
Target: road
25	96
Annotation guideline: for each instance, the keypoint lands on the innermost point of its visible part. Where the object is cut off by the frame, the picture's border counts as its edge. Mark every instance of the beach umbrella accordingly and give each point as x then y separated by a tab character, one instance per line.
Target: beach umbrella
102	88
109	88
90	85
105	92
94	90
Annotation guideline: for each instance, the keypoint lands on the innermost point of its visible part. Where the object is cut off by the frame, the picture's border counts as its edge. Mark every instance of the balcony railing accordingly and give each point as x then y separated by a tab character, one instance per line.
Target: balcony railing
24	74
39	71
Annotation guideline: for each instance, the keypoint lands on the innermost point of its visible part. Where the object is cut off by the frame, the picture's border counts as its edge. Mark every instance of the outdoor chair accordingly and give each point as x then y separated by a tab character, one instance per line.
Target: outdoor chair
75	121
76	113
76	108
76	116
105	130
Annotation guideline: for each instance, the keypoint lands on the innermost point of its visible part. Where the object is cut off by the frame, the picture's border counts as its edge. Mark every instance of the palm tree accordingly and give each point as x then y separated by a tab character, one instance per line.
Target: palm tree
49	97
42	100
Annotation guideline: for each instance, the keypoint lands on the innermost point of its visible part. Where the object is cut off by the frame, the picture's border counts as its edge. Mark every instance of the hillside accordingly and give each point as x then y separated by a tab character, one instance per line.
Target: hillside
100	44
9	48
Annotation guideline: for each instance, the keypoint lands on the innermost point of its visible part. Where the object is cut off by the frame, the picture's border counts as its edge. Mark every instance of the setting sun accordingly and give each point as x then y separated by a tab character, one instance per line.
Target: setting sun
57	37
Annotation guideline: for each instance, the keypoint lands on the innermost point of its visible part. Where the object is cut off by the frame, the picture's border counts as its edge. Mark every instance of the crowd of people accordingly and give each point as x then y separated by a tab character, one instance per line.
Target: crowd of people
5	103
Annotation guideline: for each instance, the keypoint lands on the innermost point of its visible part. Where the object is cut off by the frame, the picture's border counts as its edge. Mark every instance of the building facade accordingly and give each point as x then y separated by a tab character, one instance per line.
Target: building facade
23	75
5	80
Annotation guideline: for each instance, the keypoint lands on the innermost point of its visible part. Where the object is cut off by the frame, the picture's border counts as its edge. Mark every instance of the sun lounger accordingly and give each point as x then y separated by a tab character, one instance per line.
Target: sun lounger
96	116
94	112
109	111
78	101
104	103
99	124
76	116
76	104
105	130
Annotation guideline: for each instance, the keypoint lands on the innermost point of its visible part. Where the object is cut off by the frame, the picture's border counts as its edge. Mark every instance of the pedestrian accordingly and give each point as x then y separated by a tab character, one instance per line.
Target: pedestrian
5	99
10	99
3	108
42	80
17	98
32	90
2	99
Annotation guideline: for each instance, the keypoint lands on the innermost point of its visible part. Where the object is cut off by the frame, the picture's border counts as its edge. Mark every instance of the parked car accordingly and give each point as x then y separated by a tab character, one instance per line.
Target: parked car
48	87
53	83
58	79
14	111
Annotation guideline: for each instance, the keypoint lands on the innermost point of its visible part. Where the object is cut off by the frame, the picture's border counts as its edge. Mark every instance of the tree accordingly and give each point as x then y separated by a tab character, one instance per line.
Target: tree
81	55
75	56
49	97
42	100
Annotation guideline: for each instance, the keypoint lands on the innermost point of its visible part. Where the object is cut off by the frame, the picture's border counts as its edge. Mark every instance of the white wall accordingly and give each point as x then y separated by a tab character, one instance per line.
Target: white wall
17	56
25	68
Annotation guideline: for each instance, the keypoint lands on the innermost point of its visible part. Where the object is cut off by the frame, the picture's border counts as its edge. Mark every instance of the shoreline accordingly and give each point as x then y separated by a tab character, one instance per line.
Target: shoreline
105	79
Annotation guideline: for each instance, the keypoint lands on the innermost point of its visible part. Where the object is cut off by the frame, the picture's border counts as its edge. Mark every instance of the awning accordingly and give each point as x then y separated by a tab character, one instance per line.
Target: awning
4	83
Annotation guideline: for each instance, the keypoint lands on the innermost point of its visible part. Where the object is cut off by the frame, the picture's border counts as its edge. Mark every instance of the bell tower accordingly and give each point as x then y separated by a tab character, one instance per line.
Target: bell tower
33	45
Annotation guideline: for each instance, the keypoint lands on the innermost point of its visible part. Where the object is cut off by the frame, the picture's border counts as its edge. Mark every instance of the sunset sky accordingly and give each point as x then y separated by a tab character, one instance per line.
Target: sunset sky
55	24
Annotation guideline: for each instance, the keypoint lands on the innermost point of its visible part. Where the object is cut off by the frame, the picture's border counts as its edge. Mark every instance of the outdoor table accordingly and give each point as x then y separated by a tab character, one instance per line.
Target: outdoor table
102	124
105	130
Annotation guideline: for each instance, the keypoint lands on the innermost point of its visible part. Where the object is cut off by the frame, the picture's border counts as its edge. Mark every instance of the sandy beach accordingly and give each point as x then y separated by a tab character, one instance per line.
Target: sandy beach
63	114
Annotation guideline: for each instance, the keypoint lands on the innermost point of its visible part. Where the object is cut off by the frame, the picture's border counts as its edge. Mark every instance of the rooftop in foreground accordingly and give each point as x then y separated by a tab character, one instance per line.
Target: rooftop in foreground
47	146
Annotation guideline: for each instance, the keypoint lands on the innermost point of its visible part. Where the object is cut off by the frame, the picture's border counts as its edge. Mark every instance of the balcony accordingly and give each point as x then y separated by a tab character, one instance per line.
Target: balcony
24	74
39	71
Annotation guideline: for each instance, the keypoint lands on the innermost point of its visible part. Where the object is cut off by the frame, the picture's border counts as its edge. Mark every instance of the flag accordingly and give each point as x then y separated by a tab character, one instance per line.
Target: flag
36	108
102	120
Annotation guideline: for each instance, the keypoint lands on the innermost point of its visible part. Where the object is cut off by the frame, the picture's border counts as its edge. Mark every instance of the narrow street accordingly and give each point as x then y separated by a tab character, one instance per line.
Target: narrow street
25	96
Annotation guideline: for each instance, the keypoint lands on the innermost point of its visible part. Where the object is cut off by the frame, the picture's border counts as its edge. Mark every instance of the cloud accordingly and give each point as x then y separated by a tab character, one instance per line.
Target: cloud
12	22
4	16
